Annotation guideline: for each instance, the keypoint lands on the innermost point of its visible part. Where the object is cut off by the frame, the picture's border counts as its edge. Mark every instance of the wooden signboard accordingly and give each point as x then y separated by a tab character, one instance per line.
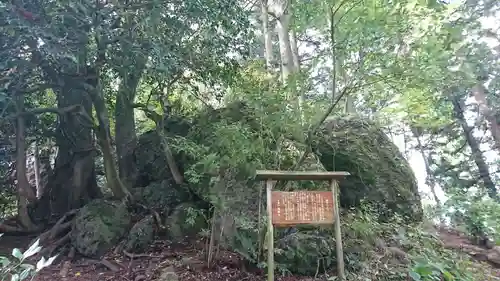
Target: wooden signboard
302	207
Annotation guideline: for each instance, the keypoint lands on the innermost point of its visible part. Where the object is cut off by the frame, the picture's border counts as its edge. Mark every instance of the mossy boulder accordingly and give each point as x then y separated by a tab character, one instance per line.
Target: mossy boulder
185	221
149	154
162	196
380	175
141	235
98	226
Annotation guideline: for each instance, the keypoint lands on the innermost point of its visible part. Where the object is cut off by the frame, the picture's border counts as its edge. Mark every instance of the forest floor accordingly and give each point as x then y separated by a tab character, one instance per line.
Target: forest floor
185	262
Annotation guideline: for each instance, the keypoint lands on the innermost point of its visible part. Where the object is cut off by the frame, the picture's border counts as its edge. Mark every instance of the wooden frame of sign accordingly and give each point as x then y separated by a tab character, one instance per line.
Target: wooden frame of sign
302	207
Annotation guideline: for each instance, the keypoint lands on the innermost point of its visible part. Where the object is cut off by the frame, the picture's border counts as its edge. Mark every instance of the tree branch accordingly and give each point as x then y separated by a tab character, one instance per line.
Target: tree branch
38	111
158	119
313	131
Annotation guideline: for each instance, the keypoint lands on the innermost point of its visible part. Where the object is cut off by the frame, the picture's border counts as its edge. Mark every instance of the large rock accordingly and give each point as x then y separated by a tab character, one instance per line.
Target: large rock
141	235
162	196
185	221
149	154
98	226
380	175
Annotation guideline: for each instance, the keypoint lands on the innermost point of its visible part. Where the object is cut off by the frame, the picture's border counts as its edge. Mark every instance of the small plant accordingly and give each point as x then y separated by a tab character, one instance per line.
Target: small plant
18	269
425	270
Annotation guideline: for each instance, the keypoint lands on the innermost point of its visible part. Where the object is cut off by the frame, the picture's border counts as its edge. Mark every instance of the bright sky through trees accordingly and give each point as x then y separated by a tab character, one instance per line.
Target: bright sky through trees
416	160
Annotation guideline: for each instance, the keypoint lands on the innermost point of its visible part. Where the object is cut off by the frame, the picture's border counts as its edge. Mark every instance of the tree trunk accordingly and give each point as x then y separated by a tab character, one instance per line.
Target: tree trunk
104	138
283	26
103	134
172	165
293	38
479	93
125	134
36	168
430	178
73	182
477	154
25	192
268	44
296	62
295	49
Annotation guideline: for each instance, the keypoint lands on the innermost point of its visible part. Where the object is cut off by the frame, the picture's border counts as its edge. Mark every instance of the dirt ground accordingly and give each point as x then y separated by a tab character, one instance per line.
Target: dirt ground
186	261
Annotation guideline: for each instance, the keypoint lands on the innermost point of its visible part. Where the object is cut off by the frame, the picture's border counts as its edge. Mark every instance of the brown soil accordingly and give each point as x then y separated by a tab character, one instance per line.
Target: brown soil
187	260
488	258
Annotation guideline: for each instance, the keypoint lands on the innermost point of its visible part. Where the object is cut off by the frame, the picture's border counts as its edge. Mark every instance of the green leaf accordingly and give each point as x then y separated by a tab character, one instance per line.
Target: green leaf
4	262
27	266
17	254
448	276
24	274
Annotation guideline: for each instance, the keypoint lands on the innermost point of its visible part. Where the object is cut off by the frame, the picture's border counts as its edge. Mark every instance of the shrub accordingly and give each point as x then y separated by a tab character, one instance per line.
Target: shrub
19	269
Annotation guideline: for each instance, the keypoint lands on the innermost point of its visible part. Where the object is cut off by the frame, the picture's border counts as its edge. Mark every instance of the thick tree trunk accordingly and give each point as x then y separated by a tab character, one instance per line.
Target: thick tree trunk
477	154
73	182
125	134
479	93
283	26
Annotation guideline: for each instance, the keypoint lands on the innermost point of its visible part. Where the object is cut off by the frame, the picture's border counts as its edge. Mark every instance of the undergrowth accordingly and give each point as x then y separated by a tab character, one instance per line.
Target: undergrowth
397	251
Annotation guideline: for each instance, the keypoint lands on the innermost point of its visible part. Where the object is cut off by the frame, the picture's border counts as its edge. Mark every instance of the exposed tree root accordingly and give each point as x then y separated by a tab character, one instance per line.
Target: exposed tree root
113	266
62	223
58	236
133	256
7	228
12	226
60	228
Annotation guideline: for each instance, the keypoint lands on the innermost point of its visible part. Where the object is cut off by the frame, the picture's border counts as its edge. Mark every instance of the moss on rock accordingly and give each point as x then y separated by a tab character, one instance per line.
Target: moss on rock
185	221
380	175
98	226
141	235
162	196
150	157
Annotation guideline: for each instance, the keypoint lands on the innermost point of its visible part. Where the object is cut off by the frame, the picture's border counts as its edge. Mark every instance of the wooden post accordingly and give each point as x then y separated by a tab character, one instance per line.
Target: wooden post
270	232
338	233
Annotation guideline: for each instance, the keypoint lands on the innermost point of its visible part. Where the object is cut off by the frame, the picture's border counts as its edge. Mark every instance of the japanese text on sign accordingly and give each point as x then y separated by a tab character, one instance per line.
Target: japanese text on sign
302	207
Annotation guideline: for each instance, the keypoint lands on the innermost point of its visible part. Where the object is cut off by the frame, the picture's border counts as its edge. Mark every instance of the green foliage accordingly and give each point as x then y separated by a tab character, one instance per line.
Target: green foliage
478	216
7	204
397	251
19	269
